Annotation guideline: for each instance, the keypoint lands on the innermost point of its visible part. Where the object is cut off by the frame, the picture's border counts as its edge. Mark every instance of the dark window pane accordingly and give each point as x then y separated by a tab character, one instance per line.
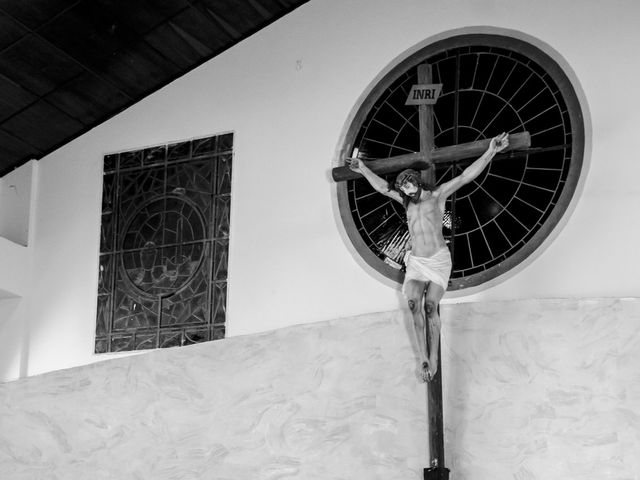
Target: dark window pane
178	151
170	339
145	341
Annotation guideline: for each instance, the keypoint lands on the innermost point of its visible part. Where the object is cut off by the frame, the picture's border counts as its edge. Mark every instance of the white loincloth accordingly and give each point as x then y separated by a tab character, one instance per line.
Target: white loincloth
436	268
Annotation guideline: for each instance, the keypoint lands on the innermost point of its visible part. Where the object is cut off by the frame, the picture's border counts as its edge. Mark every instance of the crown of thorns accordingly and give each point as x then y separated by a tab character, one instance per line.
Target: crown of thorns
408	176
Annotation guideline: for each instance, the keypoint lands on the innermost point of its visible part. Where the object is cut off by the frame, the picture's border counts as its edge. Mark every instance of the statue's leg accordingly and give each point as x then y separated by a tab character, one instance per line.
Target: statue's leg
414	291
433	295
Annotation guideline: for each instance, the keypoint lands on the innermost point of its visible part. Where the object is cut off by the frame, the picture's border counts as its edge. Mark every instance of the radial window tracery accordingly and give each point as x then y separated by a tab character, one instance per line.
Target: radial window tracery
491	84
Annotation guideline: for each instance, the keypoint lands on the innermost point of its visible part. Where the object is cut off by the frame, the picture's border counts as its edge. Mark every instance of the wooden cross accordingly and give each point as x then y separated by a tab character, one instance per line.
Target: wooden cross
428	155
425	161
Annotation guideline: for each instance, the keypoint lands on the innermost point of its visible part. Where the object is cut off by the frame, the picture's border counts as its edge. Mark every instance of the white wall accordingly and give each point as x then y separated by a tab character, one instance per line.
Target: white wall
17	204
17	193
288	93
13	332
16	190
14	268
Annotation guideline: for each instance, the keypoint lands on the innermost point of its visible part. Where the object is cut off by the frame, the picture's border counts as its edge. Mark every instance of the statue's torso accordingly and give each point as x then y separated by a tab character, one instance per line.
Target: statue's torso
424	220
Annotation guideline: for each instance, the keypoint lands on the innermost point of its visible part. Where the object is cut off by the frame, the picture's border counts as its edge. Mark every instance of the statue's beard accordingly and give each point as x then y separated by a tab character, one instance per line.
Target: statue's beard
415	197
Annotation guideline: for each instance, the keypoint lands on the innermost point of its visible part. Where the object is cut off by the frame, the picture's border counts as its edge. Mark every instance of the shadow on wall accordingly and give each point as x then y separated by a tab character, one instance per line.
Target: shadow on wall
14	345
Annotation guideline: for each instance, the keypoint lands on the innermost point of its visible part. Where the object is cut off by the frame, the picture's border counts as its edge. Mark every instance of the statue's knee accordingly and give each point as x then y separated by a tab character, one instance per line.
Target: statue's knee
430	308
413	304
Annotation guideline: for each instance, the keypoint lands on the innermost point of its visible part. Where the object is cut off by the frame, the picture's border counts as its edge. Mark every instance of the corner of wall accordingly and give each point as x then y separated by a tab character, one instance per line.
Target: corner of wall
18	194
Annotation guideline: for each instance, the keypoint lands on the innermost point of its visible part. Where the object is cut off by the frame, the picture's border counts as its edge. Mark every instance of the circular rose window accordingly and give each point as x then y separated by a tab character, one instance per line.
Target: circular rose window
490	84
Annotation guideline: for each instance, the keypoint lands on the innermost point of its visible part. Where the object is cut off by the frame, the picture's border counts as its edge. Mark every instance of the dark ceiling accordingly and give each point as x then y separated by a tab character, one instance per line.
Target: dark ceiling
67	66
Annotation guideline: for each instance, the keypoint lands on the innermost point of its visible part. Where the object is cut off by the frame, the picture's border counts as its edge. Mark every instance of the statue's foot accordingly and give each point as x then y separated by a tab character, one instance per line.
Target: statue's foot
424	372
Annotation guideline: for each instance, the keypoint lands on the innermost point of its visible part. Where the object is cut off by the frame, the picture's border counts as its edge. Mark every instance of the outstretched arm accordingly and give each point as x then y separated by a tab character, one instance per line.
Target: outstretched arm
470	173
378	183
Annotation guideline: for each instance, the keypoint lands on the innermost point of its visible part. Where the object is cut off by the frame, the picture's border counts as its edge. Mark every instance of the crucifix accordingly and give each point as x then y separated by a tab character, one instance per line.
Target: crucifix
424	95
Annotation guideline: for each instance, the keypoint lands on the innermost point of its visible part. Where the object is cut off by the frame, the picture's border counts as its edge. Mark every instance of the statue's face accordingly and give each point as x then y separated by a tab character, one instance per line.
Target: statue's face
409	188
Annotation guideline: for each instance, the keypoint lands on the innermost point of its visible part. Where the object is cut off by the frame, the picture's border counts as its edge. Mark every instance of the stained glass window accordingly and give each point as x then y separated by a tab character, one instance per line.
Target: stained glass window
164	245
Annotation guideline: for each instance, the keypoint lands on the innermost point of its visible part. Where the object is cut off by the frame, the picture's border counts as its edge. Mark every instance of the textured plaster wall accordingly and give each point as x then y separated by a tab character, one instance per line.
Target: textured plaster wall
533	389
541	389
325	401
